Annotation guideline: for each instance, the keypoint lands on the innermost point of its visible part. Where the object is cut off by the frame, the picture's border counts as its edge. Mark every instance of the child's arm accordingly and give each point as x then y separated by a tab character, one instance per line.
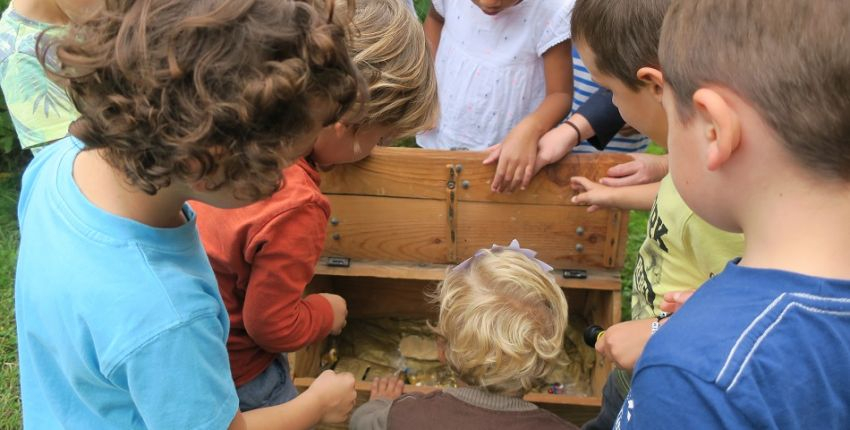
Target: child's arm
559	141
328	400
433	28
283	256
595	195
517	153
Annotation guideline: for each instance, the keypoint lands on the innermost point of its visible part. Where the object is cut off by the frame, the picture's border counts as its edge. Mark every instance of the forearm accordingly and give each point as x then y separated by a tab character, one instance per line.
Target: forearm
289	327
433	27
636	197
603	117
549	113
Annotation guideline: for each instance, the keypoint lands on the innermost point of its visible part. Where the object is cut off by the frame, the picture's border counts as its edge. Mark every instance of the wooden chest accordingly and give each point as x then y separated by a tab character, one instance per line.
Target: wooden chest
403	216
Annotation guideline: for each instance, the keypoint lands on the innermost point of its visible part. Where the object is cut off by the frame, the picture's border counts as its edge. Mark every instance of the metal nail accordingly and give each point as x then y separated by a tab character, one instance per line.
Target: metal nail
335	236
579	247
580	230
465	184
334	221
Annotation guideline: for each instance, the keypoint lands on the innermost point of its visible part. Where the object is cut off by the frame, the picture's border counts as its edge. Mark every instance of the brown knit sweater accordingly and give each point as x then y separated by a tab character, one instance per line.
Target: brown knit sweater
455	408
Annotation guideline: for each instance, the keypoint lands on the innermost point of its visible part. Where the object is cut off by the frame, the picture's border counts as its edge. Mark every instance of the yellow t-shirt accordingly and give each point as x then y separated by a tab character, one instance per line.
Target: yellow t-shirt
680	252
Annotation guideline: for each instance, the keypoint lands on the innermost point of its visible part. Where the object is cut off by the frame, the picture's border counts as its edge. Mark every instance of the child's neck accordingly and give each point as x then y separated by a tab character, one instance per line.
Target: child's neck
46	11
799	225
107	189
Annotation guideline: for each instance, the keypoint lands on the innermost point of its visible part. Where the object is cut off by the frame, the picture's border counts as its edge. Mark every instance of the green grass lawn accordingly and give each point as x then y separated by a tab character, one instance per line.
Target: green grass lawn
10	405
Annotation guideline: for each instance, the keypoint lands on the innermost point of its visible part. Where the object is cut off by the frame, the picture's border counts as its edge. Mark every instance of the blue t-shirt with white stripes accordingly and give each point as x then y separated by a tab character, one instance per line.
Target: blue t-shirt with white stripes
583	89
753	348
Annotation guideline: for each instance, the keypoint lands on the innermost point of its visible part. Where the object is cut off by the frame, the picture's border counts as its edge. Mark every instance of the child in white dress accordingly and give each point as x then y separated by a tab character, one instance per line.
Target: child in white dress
504	74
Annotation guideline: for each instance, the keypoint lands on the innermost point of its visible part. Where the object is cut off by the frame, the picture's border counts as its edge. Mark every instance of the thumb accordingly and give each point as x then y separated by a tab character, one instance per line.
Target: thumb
494	152
624	169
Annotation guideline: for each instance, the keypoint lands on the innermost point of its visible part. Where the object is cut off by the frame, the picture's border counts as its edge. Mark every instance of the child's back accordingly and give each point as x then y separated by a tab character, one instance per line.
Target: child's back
120	324
745	159
501	322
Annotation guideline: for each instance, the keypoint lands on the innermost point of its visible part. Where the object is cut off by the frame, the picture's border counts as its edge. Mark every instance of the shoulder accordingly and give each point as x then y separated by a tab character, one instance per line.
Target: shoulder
299	192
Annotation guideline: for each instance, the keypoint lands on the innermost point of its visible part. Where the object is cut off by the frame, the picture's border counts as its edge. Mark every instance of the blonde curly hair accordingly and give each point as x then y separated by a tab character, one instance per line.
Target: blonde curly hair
503	321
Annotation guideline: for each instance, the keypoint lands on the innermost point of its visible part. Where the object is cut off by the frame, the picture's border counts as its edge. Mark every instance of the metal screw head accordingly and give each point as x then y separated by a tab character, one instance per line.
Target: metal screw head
465	184
334	221
579	247
335	236
451	185
459	168
580	231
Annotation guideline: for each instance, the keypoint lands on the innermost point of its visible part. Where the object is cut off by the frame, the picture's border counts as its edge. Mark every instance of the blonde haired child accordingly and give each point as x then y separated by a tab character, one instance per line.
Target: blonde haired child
264	255
505	74
501	327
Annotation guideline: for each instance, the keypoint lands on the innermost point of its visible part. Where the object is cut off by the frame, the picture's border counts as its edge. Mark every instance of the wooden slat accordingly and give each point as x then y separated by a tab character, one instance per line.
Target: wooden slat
420	173
384	228
597	279
384	298
549	230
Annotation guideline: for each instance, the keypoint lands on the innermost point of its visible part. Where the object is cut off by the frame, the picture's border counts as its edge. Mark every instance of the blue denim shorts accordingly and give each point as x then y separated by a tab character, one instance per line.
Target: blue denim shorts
272	387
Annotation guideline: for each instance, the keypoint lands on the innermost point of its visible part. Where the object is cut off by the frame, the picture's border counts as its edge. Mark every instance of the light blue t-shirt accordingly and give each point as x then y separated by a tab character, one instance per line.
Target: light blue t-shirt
753	348
120	325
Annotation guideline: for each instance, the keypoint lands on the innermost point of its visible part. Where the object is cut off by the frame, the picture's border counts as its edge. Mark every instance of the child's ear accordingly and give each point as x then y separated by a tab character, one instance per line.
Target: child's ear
720	124
340	129
654	78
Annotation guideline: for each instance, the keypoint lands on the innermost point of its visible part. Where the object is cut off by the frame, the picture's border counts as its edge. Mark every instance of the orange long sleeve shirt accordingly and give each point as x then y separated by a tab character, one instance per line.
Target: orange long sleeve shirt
264	255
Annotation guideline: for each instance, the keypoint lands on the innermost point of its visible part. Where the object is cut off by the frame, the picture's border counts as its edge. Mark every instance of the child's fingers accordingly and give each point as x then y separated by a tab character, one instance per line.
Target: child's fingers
374	389
580	183
625	169
526	179
494	152
382	385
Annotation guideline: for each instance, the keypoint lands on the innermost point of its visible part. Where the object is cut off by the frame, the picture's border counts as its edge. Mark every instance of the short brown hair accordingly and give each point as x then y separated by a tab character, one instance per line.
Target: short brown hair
503	319
195	89
790	59
388	47
623	35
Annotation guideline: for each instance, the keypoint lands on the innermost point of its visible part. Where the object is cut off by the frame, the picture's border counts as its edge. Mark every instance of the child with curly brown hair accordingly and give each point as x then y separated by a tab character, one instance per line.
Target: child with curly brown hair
207	100
265	254
501	327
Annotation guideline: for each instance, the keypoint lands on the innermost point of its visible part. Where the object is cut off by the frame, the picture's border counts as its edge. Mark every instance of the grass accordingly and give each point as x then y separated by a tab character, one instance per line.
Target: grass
10	403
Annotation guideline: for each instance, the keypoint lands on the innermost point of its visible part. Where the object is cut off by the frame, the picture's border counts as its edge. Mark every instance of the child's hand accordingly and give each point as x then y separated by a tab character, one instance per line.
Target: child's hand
623	343
335	395
340	311
555	145
590	193
517	155
644	169
674	300
387	388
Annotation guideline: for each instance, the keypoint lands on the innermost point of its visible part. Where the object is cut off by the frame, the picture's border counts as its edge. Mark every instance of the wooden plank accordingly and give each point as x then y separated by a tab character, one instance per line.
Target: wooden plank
381	298
421	173
597	279
384	228
604	310
616	238
552	231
